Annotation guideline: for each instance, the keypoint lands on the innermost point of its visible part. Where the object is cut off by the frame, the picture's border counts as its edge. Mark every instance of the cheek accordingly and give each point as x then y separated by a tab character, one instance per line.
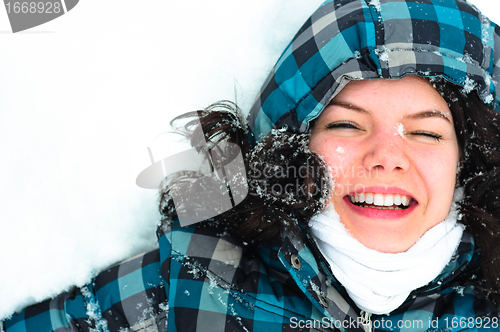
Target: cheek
338	155
438	169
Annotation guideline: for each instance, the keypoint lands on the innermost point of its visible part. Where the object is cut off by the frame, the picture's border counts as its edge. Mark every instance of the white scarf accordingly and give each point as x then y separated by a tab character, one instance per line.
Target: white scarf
380	282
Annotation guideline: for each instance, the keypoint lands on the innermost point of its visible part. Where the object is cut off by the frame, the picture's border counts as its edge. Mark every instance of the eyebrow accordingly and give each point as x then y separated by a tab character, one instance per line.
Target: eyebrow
419	115
350	106
428	114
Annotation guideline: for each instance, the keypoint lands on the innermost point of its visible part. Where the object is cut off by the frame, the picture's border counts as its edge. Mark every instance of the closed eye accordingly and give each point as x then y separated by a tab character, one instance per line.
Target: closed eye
435	136
342	124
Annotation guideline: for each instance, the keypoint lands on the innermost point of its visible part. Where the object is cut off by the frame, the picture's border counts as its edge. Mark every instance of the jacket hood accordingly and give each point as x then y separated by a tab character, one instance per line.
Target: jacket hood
370	39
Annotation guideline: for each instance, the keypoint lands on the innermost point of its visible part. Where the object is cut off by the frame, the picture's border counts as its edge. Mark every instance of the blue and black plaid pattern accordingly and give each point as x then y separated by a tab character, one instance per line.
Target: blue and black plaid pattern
66	311
201	280
128	295
361	40
215	285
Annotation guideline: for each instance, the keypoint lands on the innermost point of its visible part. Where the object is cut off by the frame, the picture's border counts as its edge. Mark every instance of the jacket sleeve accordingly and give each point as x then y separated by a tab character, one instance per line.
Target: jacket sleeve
130	294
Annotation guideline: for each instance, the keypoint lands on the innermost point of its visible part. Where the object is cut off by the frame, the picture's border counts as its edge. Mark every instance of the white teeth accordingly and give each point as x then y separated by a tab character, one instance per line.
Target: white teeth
369	199
397	199
361	198
378	200
388	201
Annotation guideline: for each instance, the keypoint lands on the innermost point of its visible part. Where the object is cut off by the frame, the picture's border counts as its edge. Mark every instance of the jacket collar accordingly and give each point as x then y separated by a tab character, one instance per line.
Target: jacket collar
301	258
298	256
291	258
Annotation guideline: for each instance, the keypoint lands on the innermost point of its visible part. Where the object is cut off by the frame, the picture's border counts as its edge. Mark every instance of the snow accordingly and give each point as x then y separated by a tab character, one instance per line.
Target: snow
400	130
469	85
383	53
376	4
94	312
466	58
488	99
460	290
82	98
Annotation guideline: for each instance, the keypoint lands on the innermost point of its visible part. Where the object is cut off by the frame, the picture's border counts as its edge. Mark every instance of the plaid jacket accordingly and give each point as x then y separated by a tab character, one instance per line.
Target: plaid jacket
201	280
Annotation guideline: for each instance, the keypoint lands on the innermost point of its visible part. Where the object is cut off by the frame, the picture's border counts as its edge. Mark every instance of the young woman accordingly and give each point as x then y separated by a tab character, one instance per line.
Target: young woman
372	167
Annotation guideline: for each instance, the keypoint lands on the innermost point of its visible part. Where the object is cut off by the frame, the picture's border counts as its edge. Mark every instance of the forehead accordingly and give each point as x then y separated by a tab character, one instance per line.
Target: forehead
405	95
411	84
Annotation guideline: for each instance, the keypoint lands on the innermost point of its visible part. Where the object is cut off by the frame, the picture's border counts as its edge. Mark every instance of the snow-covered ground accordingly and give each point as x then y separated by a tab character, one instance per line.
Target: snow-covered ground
81	99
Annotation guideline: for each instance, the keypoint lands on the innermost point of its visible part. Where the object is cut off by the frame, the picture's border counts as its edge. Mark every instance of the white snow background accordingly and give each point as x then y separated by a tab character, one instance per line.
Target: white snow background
81	99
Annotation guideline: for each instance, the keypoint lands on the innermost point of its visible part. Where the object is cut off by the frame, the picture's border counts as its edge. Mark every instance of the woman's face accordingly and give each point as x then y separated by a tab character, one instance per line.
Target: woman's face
393	153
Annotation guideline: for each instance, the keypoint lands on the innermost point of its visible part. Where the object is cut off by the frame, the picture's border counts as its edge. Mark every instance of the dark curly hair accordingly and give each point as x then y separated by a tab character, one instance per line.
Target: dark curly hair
281	198
478	133
287	184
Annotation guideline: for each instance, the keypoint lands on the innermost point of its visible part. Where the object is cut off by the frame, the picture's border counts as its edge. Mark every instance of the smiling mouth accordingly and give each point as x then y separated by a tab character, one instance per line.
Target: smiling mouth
382	202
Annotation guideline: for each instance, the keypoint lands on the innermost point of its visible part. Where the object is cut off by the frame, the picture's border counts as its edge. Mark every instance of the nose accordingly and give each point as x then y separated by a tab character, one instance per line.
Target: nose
386	153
